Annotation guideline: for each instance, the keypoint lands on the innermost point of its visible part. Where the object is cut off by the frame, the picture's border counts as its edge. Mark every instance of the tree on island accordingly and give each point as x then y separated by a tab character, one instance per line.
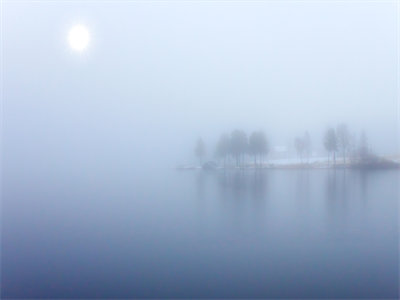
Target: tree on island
343	139
200	150
307	145
330	143
352	149
303	146
299	146
223	147
238	145
258	145
363	148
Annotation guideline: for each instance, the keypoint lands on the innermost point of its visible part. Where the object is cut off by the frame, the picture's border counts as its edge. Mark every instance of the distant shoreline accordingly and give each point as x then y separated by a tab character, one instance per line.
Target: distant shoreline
382	164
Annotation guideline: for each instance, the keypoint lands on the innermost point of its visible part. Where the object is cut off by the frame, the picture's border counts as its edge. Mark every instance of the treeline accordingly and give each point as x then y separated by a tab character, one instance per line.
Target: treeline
337	141
341	141
237	145
303	146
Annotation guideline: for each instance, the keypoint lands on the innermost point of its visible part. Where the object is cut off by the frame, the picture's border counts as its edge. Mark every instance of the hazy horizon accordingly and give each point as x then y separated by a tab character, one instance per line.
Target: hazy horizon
103	103
158	74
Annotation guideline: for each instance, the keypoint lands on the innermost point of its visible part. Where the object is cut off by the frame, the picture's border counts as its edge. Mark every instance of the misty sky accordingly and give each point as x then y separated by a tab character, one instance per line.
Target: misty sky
158	75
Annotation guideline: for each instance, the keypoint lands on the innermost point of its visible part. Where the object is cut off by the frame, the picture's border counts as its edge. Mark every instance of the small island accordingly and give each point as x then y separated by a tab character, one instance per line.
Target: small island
342	150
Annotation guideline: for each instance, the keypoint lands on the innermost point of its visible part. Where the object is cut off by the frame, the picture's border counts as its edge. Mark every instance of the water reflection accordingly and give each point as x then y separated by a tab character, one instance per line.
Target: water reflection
201	185
363	177
336	189
303	182
234	185
237	191
344	187
247	233
259	186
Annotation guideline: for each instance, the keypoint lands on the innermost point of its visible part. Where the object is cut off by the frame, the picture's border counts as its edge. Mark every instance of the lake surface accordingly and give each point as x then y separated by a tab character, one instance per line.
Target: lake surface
265	233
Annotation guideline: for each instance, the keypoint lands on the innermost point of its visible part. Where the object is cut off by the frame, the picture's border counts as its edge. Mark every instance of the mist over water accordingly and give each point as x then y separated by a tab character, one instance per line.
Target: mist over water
92	205
265	233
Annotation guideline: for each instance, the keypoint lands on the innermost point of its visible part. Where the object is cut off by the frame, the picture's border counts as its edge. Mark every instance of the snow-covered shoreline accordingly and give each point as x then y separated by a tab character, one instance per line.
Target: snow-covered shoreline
312	163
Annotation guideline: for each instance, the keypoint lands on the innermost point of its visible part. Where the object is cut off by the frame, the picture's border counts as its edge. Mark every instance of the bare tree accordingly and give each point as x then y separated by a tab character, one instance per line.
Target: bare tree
253	147
223	147
363	148
352	146
330	143
343	139
200	150
263	145
238	145
258	145
299	145
307	145
303	146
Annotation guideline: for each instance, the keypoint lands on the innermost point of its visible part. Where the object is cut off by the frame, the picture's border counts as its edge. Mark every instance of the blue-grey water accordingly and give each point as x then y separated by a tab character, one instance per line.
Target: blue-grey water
265	233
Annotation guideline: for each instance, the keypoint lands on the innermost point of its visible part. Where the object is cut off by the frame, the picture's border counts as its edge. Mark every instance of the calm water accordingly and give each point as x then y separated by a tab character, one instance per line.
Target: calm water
271	233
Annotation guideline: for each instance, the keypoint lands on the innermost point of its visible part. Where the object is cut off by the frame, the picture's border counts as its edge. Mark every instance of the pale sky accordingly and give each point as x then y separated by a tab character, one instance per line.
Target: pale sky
158	75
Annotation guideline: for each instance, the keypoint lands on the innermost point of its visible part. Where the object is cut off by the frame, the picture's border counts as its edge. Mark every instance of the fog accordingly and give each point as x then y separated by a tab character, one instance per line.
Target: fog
159	75
102	192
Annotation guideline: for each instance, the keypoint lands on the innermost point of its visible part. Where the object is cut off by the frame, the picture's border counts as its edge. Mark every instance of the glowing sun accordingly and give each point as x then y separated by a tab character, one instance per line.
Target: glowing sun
78	37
